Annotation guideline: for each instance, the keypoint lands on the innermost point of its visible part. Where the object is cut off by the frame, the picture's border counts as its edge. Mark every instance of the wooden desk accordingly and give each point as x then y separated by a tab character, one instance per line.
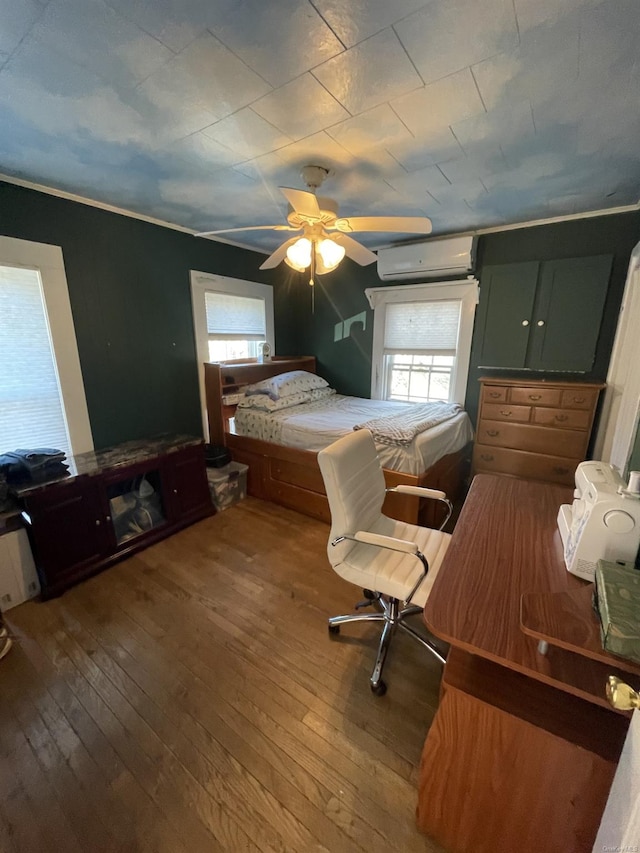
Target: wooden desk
524	746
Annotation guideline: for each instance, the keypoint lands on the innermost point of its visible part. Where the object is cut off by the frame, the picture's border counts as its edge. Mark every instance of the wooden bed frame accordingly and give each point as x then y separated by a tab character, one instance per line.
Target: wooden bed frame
291	477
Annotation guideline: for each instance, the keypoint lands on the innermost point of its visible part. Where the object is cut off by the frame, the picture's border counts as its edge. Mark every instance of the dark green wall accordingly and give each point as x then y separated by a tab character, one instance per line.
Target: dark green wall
131	300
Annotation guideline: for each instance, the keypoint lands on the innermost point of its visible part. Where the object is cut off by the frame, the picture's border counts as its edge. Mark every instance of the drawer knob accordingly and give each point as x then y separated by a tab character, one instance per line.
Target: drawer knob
562	418
486	457
493	432
578	399
494	394
559	469
505	413
535	396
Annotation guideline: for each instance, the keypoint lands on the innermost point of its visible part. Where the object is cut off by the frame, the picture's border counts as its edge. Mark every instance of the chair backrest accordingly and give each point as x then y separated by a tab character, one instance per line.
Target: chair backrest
355	487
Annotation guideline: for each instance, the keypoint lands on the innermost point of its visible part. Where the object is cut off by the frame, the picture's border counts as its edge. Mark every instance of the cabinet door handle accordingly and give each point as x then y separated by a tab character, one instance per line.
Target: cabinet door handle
562	418
175	491
97	522
535	396
541	322
494	394
505	413
525	322
558	469
493	432
107	518
486	457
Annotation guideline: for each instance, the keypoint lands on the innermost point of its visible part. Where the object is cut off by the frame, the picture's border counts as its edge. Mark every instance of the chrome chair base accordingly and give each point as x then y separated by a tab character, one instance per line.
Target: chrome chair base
393	616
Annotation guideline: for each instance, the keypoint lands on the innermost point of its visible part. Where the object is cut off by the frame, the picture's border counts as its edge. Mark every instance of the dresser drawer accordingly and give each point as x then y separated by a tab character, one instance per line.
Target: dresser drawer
537	439
536	396
494	393
562	418
518	463
506	412
579	398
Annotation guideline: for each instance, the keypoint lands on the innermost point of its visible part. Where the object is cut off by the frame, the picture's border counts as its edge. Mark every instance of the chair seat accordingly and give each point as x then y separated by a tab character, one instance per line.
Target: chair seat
393	573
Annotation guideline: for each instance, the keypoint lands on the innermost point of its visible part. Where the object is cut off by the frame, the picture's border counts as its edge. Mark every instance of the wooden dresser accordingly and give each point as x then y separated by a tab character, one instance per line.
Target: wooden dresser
535	429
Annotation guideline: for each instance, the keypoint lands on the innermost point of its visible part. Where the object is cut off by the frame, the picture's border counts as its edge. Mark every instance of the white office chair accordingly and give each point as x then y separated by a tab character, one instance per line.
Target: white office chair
393	561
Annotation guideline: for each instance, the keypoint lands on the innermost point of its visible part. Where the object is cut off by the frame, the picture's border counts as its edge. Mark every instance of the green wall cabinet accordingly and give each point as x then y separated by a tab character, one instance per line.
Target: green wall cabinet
543	316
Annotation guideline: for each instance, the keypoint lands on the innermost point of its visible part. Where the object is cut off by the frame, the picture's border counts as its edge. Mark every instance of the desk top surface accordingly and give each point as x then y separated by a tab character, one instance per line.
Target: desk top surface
506	544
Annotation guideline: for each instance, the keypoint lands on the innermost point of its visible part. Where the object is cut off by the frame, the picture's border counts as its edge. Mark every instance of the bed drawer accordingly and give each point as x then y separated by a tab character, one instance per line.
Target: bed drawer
537	439
506	412
536	396
531	466
562	418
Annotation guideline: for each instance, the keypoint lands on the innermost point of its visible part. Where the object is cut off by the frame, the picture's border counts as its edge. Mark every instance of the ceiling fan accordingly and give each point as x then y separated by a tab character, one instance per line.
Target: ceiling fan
325	236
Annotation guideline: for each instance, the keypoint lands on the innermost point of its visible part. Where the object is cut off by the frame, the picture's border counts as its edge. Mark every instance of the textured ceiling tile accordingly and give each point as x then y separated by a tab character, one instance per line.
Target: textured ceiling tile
372	72
546	13
93	35
278	40
416	184
318	149
467	168
176	23
17	19
203	152
208	74
357	20
300	108
376	127
440	104
247	134
445	37
498	128
531	70
466	192
426	150
609	39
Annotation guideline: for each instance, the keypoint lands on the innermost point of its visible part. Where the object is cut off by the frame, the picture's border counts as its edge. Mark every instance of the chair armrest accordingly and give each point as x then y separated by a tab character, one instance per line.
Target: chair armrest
389	542
420	492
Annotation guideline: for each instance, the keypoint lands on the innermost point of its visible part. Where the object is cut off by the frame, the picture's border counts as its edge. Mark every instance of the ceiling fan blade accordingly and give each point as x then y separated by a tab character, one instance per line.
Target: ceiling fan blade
403	224
356	251
302	202
279	255
248	228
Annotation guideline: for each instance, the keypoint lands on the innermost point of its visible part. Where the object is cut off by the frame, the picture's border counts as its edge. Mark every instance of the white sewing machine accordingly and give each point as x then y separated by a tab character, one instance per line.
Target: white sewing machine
603	522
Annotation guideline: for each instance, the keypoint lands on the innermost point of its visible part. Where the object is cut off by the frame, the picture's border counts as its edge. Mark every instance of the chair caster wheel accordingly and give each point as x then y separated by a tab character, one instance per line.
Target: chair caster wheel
379	689
334	629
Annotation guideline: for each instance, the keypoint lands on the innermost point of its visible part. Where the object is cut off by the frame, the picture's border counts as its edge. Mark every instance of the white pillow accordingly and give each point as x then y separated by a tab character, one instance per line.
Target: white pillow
264	403
286	384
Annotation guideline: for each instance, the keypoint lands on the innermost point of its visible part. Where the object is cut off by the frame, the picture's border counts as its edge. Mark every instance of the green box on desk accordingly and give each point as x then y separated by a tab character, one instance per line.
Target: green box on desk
617	601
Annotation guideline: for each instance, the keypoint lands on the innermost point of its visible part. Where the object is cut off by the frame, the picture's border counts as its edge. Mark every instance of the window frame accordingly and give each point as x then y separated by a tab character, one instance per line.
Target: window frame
49	262
201	282
464	290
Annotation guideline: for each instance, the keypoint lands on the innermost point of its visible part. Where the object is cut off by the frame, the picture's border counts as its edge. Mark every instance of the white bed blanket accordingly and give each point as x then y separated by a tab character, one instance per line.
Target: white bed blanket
403	426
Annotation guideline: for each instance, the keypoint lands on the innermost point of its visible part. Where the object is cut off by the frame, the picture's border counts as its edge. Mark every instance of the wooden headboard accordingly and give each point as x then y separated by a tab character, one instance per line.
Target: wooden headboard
230	377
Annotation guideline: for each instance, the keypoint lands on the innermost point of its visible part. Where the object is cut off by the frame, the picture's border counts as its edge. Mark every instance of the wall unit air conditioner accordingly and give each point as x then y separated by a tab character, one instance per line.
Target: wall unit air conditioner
429	259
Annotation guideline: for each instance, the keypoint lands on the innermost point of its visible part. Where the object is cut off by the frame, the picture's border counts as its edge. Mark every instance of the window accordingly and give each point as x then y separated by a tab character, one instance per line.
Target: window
230	317
42	401
235	325
422	340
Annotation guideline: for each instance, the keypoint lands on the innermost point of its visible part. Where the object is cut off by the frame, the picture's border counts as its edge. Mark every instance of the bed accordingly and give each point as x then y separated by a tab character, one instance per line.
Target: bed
280	447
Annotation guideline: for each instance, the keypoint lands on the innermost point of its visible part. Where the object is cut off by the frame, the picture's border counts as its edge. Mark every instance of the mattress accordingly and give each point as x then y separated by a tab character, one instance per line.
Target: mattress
314	426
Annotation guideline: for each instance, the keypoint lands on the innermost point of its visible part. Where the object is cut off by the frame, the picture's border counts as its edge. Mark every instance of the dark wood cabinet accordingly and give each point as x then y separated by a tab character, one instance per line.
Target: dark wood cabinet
543	316
80	525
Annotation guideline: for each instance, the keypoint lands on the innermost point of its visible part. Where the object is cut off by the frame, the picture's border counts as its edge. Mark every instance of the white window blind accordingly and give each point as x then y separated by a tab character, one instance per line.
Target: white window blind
231	317
430	328
31	411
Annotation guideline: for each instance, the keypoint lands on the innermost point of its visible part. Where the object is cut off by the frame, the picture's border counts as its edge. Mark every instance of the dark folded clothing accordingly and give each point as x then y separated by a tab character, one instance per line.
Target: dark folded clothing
20	466
35	458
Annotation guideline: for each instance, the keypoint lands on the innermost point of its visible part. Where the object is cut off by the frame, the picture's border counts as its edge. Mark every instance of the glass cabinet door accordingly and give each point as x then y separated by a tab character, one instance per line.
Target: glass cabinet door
136	505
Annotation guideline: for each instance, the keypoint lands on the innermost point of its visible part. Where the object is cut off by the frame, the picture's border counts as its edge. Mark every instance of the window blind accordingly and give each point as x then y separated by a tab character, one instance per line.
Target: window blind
430	328
231	317
31	411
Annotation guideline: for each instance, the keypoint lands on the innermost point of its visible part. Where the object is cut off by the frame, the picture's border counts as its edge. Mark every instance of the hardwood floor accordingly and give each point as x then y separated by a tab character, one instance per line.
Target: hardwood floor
190	699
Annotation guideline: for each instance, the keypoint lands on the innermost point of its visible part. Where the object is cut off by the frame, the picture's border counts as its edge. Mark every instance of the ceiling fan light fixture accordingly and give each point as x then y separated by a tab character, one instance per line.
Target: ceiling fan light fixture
299	254
331	254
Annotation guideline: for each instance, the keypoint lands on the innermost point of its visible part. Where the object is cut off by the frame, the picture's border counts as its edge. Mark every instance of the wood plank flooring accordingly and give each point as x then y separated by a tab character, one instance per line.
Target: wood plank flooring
190	699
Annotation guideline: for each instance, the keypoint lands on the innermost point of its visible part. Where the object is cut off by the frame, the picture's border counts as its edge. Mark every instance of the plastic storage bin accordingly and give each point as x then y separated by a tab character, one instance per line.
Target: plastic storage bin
228	484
